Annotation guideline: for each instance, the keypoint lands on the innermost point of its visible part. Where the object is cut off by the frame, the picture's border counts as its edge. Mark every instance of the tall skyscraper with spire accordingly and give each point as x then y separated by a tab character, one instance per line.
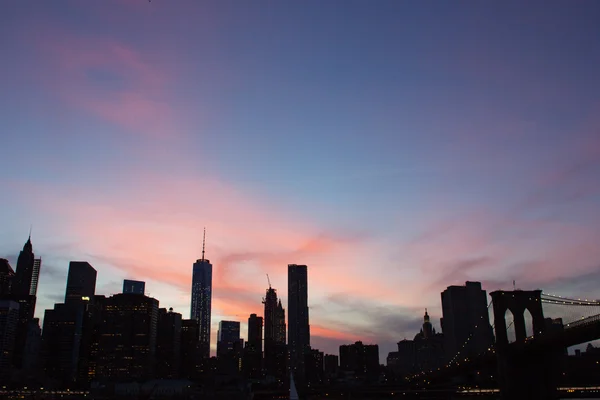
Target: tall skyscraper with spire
202	299
298	327
275	348
23	291
24	273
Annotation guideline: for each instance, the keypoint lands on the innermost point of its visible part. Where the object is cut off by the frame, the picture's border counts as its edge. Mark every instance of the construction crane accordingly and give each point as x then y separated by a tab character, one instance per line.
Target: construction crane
268	280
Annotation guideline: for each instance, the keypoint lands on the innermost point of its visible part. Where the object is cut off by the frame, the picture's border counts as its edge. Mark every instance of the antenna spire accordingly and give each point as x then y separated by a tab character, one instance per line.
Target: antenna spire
30	228
203	243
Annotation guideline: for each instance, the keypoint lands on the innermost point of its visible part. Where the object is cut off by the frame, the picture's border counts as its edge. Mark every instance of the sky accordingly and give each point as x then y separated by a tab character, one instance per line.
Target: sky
395	148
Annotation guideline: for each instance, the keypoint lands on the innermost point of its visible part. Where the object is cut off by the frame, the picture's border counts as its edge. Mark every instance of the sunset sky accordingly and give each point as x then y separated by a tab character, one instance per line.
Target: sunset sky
395	147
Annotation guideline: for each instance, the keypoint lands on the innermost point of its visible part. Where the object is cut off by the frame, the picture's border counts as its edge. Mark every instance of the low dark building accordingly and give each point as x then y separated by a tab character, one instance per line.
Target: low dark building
315	371
168	344
9	318
331	365
361	359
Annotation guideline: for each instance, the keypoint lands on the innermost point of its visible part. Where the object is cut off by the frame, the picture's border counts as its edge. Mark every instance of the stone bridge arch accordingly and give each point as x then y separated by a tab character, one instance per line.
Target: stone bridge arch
517	302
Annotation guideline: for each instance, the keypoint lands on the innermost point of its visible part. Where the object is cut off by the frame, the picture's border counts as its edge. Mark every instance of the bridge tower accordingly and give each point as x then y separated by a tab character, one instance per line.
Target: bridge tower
525	371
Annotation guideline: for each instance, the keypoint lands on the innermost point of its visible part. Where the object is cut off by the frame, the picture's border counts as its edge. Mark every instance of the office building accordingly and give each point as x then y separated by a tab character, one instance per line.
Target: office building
361	359
255	330
465	314
81	282
90	350
168	344
202	300
331	365
134	287
128	338
275	349
33	346
61	341
227	336
192	362
252	355
298	327
314	365
229	347
9	318
6	277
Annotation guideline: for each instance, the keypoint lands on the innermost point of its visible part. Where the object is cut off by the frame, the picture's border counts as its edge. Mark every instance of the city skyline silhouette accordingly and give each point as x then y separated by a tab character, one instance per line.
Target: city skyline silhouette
395	149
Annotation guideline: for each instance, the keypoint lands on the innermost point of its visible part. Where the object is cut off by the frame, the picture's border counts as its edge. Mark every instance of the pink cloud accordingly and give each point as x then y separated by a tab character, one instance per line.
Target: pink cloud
110	80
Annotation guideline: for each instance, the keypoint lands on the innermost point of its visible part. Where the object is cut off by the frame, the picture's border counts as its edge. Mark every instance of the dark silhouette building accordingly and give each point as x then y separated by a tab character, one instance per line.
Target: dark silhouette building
202	300
252	357
275	352
331	365
465	314
314	367
61	342
255	331
9	318
66	333
134	287
192	362
81	282
424	353
90	350
429	347
31	368
403	361
127	345
23	290
168	344
6	277
298	326
227	336
23	281
361	359
229	347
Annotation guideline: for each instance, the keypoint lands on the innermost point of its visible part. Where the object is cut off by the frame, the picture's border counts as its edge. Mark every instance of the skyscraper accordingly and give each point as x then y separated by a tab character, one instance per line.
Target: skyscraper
227	337
465	313
128	338
134	287
81	282
275	348
252	362
192	363
202	299
22	287
255	330
298	327
168	344
22	283
61	342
